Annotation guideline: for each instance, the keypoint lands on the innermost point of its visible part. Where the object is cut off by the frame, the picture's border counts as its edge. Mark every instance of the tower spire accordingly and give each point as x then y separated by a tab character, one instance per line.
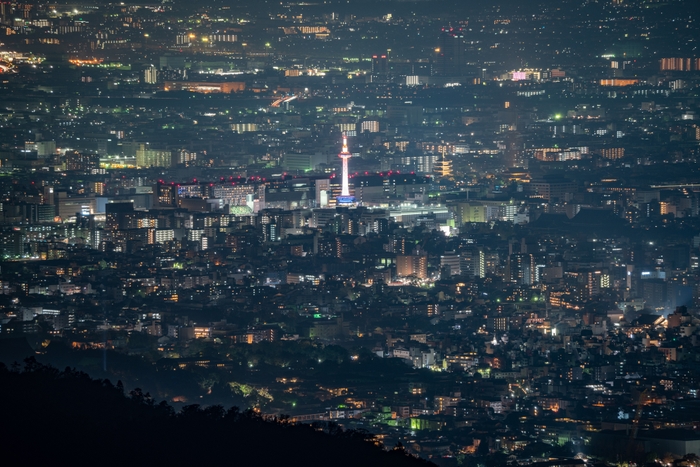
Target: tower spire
345	197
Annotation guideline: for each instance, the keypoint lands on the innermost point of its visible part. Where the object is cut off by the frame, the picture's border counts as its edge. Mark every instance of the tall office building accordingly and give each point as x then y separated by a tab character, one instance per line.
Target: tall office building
451	53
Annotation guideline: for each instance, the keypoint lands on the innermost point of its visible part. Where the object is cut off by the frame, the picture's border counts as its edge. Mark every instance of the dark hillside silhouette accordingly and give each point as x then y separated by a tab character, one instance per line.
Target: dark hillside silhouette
67	418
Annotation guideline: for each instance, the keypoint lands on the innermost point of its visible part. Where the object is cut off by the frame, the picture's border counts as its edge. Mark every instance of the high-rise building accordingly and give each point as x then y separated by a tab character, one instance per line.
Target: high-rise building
5	12
183	39
521	269
551	189
10	243
240	194
679	64
147	157
186	157
214	38
25	8
49	197
43	148
165	195
82	162
472	262
371	126
421	163
595	282
118	215
412	80
412	265
450	264
613	153
470	211
380	64
451	53
150	75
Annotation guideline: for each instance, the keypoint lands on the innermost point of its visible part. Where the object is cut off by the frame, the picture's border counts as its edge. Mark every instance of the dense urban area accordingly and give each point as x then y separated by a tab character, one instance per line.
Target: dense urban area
469	229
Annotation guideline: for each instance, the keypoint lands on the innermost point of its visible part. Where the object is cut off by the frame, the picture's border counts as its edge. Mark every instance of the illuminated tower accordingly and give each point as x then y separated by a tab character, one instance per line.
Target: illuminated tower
345	197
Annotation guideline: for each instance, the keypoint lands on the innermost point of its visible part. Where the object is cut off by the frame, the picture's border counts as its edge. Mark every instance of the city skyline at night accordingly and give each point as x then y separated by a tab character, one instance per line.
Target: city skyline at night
462	234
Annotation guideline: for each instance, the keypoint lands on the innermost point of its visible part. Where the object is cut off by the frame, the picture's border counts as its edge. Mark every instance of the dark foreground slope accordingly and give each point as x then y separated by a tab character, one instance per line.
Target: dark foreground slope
67	418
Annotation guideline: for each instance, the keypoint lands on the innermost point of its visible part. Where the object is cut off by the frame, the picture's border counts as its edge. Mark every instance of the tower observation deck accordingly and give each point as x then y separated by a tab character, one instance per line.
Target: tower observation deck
345	197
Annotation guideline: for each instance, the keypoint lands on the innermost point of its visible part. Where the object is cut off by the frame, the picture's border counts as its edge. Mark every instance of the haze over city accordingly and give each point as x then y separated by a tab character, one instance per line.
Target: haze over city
350	232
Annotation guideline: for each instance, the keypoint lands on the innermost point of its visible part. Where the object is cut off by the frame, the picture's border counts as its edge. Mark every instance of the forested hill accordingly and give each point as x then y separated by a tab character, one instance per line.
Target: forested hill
67	418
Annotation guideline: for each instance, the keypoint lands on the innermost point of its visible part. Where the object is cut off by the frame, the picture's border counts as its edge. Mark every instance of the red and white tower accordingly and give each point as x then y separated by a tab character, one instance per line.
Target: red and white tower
345	197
